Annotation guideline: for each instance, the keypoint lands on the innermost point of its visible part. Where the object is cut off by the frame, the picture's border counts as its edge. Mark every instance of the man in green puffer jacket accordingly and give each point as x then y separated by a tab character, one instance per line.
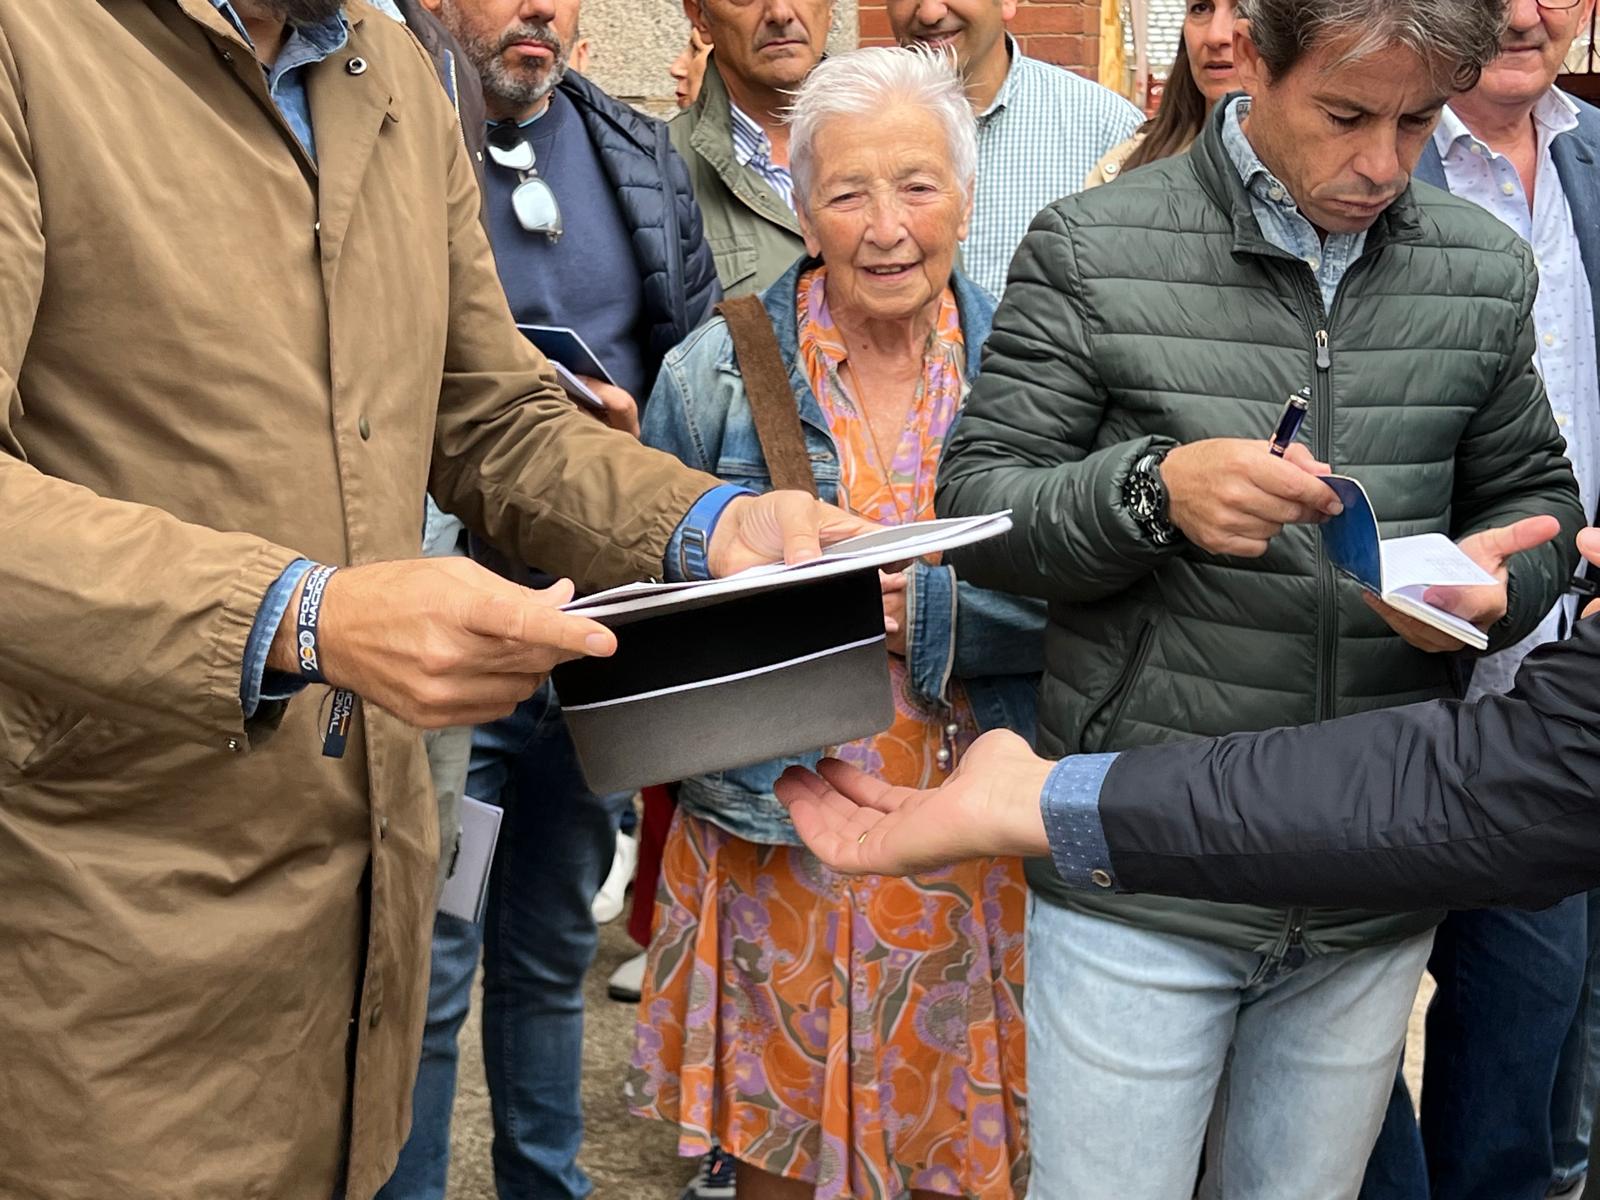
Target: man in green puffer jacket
1148	338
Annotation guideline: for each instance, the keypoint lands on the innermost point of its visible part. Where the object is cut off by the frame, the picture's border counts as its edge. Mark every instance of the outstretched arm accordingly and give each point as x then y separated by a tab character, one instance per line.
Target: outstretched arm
1467	805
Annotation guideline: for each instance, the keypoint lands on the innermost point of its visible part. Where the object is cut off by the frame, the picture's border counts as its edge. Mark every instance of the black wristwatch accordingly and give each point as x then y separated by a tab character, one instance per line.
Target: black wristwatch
1144	493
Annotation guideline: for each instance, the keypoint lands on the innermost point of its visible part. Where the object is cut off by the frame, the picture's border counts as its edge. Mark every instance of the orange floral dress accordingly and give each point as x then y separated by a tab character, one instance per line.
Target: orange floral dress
863	1034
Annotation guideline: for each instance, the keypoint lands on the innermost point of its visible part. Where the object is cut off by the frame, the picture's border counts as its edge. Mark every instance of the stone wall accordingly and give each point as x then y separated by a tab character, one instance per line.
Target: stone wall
634	40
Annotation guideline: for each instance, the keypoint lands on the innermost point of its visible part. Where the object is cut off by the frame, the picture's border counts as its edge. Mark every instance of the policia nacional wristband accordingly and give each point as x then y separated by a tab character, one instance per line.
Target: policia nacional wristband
308	655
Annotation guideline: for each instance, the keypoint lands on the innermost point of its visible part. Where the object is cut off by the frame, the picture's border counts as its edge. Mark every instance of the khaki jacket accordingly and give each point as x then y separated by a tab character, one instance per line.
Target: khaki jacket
1109	167
753	236
217	357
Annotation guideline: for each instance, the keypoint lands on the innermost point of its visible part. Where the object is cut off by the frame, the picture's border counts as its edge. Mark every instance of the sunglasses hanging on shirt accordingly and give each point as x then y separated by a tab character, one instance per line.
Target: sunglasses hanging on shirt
533	201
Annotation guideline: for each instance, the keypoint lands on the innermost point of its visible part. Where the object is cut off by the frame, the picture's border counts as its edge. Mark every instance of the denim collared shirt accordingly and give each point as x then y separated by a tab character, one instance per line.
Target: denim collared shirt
1279	216
305	46
286	83
992	642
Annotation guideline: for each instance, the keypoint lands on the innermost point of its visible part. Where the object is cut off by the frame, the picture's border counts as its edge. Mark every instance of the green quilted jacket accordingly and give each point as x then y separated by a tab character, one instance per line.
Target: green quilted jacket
1153	312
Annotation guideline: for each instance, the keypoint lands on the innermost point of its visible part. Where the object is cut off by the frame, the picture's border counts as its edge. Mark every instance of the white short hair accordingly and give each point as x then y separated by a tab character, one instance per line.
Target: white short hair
864	82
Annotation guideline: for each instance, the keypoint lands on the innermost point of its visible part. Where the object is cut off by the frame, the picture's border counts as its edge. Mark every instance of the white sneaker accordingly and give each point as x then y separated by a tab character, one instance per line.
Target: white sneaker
627	981
608	902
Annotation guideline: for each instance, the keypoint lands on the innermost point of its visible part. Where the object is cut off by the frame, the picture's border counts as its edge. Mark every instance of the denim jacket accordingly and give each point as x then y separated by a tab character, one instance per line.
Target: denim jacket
992	642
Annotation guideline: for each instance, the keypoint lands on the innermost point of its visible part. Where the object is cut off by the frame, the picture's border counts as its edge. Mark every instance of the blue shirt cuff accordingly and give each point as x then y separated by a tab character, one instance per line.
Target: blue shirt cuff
1071	805
686	559
257	683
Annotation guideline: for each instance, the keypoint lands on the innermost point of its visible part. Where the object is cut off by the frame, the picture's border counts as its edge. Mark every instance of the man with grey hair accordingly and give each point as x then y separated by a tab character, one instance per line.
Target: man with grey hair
734	137
1149	335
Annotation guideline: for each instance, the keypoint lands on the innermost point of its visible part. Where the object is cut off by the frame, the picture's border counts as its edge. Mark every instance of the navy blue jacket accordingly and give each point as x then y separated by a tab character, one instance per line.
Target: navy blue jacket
1467	805
659	209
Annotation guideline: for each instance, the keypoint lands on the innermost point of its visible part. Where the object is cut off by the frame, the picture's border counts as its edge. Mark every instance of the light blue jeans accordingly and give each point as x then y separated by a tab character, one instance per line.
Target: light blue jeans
1138	1041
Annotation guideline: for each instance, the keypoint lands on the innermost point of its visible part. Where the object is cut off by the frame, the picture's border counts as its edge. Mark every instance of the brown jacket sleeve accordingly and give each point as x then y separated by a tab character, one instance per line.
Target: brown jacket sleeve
515	459
106	606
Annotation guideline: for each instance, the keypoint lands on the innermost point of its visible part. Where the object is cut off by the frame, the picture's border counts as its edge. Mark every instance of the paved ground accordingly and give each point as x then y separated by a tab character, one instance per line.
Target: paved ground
629	1159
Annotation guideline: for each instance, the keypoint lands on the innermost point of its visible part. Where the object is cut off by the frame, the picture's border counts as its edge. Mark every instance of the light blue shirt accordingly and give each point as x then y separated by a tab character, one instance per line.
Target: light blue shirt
1037	142
1279	216
1563	318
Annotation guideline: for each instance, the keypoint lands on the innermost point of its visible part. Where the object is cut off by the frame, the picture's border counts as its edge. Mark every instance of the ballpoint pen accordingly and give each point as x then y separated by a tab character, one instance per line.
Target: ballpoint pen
1294	414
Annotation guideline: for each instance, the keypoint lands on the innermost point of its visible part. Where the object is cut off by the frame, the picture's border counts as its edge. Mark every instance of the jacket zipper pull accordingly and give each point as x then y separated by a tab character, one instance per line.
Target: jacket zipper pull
1324	359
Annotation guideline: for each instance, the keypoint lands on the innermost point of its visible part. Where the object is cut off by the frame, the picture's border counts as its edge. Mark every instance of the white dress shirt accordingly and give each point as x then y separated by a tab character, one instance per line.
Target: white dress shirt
1563	314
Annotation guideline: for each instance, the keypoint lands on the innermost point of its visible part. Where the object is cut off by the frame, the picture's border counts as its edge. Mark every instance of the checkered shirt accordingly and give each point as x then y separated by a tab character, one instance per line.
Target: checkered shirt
1037	142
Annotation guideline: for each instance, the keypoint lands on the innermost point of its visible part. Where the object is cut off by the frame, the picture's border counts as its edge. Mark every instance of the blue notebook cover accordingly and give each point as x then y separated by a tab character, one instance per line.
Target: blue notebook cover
1351	538
564	346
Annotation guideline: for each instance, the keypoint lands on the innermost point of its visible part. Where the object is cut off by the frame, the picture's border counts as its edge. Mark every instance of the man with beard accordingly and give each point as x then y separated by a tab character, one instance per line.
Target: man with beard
1041	129
618	255
249	314
734	137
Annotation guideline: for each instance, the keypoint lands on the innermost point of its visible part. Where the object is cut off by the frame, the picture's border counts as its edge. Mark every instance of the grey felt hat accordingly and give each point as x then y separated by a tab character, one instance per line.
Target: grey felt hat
772	662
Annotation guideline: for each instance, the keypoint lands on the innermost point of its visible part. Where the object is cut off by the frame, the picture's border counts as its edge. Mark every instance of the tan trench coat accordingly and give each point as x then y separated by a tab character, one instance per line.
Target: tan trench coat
213	949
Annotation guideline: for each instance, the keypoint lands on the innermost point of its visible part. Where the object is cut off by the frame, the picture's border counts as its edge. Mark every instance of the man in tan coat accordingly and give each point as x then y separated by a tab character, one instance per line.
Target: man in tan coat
247	315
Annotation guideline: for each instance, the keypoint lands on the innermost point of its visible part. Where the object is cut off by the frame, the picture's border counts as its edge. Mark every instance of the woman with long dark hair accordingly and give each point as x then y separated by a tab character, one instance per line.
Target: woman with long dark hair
1201	74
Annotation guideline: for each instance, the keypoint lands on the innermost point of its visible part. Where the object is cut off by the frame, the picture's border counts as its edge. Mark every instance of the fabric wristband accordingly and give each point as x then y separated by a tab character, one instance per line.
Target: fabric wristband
308	656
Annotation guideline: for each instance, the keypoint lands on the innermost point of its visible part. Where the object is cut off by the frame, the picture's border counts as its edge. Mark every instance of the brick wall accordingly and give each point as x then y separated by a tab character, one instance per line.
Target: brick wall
1065	32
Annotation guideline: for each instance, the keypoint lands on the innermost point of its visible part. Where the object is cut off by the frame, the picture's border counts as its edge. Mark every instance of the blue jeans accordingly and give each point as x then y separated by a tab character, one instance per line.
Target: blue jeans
1578	1073
1508	985
1138	1040
538	939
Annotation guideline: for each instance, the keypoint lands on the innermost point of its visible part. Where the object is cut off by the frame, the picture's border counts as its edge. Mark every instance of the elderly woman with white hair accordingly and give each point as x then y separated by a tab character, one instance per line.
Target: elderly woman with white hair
851	1036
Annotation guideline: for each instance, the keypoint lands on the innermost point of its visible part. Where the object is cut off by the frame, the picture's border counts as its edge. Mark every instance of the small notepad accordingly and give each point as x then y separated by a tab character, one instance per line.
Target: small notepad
1400	570
576	388
467	886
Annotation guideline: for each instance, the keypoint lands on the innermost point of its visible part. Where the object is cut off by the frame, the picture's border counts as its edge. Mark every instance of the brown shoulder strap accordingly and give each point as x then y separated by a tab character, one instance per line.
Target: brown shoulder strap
772	400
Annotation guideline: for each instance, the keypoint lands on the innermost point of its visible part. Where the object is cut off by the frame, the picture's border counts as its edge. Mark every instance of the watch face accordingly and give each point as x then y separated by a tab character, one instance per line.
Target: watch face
1143	500
1146	499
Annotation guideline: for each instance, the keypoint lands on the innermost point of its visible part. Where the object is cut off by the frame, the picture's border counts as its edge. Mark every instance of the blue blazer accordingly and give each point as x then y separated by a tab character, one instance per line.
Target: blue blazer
1577	158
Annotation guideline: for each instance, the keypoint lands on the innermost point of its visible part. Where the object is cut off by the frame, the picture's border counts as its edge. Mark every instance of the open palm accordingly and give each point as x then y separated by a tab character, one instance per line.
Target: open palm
860	825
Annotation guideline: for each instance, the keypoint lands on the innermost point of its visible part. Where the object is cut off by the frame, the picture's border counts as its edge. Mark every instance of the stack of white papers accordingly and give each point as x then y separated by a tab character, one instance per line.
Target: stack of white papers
882	547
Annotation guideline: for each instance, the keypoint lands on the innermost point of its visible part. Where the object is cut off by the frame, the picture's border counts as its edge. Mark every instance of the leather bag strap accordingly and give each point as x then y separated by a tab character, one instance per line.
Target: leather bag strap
772	400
